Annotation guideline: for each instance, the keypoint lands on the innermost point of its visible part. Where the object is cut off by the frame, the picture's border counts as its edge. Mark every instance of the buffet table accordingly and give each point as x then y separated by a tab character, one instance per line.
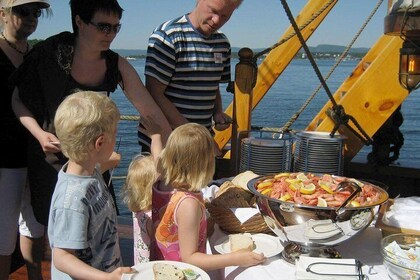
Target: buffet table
363	247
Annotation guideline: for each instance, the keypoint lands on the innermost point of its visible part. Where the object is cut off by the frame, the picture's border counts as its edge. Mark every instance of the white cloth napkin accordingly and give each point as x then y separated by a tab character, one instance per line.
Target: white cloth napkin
330	268
244	214
209	192
403	213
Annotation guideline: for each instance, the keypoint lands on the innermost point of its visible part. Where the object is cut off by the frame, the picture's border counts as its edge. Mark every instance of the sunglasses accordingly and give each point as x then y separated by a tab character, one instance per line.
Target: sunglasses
106	28
25	12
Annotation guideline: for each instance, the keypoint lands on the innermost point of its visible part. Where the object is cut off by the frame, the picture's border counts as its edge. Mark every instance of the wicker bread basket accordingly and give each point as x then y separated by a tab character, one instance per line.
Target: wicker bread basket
233	196
228	222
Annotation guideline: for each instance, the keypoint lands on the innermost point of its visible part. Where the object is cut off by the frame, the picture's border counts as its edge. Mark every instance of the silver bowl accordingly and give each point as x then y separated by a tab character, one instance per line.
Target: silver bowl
312	230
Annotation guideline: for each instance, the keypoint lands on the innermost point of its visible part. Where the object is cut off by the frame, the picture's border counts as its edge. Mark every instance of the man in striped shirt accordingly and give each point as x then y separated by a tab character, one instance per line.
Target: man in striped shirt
187	58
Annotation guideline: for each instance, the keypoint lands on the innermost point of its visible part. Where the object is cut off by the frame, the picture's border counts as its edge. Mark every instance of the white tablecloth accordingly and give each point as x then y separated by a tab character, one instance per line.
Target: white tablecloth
364	247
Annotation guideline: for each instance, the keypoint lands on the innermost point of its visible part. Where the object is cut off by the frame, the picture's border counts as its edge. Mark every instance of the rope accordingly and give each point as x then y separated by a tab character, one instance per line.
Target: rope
129	118
315	15
287	126
307	51
338	115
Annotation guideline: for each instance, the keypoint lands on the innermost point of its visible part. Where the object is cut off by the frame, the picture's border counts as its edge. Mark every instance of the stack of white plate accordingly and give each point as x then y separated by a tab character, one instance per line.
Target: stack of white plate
318	152
266	155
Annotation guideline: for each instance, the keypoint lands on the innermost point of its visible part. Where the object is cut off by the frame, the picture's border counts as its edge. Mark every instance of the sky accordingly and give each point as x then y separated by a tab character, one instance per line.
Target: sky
256	24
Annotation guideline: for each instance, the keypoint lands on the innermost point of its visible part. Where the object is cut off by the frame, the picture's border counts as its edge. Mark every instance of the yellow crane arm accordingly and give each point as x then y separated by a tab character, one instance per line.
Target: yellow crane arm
370	94
272	66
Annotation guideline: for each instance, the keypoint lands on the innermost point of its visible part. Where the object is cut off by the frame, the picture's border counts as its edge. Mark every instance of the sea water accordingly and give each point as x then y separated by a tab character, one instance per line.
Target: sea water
285	97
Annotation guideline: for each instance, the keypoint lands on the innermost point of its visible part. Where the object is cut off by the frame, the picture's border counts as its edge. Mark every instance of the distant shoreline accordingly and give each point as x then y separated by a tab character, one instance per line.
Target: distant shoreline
318	55
320	51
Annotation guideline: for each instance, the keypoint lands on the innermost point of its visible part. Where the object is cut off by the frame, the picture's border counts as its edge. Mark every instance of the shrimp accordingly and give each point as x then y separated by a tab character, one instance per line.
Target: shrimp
328	190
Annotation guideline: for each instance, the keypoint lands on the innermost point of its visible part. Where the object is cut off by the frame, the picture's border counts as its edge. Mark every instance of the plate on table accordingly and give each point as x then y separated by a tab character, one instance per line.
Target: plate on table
145	270
267	244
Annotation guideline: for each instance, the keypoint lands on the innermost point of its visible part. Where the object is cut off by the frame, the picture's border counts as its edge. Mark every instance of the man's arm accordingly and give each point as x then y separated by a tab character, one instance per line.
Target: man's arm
222	121
138	95
157	90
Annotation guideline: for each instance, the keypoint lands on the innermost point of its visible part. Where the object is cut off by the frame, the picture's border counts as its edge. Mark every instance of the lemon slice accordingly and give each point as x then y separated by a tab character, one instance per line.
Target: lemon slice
294	184
354	203
302	177
284	174
325	186
307	189
264	185
285	197
322	202
266	191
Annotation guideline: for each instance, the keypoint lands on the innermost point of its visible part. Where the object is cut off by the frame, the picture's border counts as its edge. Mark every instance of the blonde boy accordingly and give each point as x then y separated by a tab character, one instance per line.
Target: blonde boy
82	222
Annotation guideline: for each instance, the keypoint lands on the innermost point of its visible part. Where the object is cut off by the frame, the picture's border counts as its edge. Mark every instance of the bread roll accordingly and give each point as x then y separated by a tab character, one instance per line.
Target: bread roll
241	241
164	271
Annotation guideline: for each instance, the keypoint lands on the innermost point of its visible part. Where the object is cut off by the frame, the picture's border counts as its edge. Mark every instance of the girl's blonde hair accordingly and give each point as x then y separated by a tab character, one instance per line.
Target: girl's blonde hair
80	119
187	162
137	190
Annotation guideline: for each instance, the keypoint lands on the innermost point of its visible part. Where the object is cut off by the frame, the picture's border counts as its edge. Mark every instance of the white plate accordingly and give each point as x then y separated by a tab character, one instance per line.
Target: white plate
145	270
264	243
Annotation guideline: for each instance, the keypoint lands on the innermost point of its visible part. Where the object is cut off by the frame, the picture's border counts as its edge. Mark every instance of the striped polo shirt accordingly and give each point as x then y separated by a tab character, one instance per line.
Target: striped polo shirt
190	65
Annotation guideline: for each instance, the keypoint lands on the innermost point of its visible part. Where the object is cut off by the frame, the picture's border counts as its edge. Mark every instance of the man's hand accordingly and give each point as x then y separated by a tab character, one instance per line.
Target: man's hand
221	121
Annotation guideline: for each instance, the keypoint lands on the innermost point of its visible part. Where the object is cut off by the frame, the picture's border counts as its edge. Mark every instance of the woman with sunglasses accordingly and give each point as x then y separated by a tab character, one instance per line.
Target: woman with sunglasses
19	19
61	65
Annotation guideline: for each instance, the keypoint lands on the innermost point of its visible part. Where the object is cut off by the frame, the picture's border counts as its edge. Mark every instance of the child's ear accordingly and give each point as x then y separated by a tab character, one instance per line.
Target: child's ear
99	142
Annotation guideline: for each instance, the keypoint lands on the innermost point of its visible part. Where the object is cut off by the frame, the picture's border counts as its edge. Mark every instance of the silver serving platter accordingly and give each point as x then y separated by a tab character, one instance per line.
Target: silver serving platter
312	230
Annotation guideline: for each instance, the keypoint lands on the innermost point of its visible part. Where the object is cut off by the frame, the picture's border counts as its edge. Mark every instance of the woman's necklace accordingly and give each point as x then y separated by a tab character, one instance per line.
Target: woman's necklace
13	46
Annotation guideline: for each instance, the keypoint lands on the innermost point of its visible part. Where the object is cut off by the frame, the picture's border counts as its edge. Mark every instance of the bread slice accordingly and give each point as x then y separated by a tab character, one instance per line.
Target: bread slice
241	241
164	271
243	178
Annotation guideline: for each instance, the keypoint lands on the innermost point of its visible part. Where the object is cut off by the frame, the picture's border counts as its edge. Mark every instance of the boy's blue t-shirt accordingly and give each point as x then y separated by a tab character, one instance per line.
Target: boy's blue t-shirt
83	217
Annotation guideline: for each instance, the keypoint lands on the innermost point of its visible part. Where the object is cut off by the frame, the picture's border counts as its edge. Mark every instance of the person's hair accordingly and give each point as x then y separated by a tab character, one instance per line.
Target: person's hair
86	9
137	190
238	2
187	161
7	6
80	119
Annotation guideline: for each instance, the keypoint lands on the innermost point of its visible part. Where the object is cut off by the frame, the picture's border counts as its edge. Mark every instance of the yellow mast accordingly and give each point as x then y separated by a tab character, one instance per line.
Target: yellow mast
370	94
271	68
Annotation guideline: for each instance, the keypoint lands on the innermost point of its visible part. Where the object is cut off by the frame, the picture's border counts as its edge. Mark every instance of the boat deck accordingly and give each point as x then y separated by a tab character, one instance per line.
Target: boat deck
125	231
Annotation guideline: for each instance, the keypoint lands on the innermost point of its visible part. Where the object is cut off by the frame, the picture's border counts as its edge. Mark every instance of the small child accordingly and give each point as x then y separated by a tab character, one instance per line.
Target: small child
137	193
82	223
187	164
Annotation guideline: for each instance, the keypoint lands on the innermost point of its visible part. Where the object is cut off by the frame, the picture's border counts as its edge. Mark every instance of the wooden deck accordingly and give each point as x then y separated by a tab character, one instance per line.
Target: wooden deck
125	231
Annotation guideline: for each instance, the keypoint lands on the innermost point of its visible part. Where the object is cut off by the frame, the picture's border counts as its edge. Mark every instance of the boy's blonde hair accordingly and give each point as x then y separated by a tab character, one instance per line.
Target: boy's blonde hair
137	190
187	162
80	119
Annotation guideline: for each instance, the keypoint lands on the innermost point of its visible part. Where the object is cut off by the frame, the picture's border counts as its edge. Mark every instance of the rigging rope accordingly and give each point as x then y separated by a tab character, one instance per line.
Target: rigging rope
338	115
291	35
129	118
287	126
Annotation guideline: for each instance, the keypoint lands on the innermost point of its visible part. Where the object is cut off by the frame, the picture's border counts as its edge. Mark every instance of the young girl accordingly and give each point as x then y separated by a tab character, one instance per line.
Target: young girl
187	164
138	196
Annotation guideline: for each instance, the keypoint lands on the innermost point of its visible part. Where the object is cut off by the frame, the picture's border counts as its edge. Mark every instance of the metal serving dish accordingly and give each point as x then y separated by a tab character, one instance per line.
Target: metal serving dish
312	230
